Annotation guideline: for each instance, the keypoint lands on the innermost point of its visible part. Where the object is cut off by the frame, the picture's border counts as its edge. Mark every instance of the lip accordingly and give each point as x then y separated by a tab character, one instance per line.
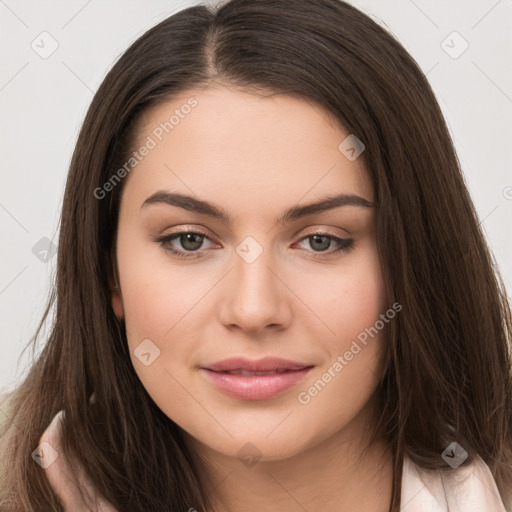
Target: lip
265	364
285	374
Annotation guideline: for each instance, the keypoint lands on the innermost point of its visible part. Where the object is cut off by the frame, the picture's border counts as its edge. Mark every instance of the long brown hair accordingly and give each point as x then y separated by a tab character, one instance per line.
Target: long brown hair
448	367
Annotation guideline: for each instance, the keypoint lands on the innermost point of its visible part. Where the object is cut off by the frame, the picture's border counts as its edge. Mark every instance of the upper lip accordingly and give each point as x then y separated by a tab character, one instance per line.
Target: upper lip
266	364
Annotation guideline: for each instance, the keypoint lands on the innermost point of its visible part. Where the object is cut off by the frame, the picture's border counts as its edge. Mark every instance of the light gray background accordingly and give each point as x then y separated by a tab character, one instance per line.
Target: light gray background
43	102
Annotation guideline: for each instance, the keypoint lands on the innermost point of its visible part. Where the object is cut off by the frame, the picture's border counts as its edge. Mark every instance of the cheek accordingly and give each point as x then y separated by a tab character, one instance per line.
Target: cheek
150	307
359	304
346	299
157	296
158	304
342	386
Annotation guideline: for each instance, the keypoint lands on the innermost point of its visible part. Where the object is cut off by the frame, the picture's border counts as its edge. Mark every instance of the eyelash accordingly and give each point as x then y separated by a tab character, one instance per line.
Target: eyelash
345	244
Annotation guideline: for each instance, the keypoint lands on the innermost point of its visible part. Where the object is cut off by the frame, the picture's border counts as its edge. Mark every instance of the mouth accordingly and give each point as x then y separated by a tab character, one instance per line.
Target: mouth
264	365
259	380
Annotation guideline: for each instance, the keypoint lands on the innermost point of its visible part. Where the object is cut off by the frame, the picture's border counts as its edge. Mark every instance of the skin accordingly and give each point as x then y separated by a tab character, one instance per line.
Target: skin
255	157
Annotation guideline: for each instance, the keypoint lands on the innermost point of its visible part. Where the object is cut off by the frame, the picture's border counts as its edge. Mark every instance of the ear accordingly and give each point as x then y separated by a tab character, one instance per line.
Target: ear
117	299
115	289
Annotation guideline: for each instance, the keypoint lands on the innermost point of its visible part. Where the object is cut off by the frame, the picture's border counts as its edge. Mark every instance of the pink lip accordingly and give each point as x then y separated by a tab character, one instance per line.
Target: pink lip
256	387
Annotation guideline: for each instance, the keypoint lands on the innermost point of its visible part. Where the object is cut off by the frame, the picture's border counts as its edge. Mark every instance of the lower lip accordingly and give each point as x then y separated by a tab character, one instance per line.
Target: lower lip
255	387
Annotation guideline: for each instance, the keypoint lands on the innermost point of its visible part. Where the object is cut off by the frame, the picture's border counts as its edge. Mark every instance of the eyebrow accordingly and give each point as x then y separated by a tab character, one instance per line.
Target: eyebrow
203	207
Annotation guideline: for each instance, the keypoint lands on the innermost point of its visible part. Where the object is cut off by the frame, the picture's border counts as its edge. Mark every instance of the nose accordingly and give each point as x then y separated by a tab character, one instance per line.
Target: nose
255	297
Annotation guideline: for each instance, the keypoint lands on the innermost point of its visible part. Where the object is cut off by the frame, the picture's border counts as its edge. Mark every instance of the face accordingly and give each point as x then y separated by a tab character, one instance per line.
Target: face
237	278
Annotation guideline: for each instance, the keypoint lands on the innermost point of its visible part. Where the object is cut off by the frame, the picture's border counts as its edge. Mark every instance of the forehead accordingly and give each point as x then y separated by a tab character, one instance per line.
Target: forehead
230	143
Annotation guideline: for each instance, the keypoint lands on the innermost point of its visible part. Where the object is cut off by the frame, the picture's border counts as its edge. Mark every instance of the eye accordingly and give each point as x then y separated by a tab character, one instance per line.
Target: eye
190	241
321	242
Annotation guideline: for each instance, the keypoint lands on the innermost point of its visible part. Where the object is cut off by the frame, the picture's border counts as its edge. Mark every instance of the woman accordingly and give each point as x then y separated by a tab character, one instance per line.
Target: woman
272	287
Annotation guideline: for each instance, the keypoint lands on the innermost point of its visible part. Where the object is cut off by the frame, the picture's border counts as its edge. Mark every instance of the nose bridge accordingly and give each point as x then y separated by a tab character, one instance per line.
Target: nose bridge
256	298
254	278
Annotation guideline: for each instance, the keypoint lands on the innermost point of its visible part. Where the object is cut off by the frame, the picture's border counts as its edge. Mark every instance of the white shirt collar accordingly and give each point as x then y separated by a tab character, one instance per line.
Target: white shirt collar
469	488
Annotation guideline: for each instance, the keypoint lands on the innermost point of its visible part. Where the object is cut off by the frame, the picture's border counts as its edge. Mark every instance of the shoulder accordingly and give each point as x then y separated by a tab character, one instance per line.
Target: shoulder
469	488
52	458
